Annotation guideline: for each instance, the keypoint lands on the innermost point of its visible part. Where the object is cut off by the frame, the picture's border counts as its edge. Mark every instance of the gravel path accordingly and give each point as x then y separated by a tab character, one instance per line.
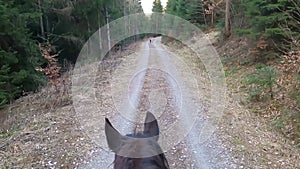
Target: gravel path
161	82
52	130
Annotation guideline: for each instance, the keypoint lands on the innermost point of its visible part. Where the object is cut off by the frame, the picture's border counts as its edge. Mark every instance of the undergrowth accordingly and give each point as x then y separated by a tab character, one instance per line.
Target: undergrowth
270	88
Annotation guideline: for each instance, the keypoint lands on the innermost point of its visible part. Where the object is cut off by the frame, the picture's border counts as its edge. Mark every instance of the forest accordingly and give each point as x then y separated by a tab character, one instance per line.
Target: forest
40	41
66	25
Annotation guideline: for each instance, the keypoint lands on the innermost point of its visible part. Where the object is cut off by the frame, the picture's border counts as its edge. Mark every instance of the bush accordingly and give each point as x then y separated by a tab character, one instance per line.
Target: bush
261	83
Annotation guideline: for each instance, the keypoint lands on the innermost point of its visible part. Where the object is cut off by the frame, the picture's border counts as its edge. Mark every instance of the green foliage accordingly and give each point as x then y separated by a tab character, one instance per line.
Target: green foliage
171	7
279	123
225	59
181	9
195	13
230	72
157	7
298	78
261	82
65	24
239	21
247	32
8	133
19	53
191	10
221	25
276	21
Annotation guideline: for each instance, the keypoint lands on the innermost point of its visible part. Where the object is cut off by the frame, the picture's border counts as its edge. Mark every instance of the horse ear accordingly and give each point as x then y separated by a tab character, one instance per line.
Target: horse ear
151	126
113	137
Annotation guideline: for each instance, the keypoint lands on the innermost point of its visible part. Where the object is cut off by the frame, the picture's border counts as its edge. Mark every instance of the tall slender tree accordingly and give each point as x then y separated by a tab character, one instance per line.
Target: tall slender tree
157	6
171	7
227	20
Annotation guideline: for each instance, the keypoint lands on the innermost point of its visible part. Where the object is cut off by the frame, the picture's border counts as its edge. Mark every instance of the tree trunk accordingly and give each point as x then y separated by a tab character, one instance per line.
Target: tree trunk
227	20
108	28
203	12
125	26
41	19
99	30
89	32
212	17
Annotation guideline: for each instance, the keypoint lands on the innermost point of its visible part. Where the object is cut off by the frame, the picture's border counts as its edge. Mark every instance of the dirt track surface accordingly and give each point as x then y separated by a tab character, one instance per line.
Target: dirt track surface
158	77
42	130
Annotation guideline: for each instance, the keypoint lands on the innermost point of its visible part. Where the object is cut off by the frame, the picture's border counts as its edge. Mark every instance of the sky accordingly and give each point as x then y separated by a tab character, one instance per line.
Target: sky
147	5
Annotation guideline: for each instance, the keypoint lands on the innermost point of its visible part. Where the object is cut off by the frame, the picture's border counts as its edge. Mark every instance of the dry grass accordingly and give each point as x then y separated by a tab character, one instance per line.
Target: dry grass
251	135
41	132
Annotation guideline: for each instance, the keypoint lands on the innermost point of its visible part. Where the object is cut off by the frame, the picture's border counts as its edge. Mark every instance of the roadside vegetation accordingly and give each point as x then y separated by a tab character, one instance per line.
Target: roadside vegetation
261	40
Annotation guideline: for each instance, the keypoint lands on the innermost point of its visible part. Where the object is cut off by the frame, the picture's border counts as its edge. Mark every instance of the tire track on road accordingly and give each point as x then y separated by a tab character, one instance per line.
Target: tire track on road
211	153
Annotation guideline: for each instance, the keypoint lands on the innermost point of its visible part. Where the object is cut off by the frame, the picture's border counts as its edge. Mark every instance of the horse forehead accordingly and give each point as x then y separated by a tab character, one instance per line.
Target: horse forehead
141	144
139	148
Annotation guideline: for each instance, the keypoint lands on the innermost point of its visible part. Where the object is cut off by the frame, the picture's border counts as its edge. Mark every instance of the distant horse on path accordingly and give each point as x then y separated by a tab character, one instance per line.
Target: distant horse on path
137	150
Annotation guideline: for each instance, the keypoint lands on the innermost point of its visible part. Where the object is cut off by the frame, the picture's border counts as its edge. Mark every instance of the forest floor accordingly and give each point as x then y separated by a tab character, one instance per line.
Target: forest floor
41	130
250	125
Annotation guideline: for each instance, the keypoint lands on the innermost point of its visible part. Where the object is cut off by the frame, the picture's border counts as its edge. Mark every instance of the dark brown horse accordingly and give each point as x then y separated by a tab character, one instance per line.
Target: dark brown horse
138	150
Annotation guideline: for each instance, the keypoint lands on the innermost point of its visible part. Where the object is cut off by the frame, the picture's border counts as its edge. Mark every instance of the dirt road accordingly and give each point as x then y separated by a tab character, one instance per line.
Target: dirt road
52	130
154	79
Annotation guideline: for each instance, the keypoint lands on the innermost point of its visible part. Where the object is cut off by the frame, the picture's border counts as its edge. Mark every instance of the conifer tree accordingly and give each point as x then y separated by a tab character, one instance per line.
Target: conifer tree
171	7
157	6
275	21
195	12
18	52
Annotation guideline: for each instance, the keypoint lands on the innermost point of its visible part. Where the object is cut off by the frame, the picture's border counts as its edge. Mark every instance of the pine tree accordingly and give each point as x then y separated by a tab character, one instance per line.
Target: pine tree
171	7
157	7
191	10
181	9
19	54
195	12
276	21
